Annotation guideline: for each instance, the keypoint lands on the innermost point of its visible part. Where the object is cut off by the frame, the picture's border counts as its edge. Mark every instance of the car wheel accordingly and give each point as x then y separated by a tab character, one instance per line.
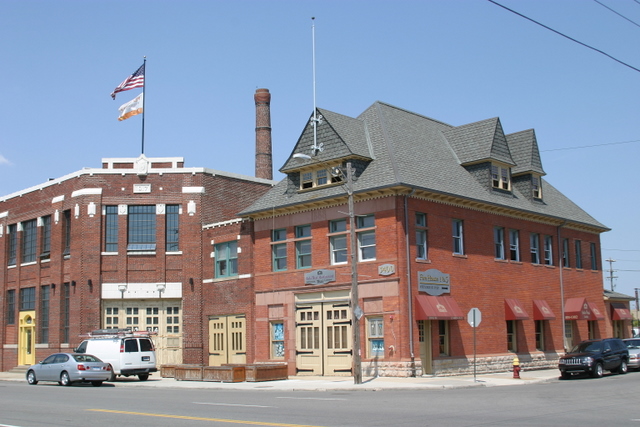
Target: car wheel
31	378
623	368
64	379
598	371
96	383
112	378
143	377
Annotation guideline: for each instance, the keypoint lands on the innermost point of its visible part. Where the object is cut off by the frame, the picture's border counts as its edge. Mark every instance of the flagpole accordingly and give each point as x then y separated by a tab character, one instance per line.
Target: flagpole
143	99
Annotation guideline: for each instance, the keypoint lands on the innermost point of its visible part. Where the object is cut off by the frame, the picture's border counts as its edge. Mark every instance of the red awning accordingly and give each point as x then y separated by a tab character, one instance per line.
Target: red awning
513	310
542	311
581	309
595	311
430	307
619	311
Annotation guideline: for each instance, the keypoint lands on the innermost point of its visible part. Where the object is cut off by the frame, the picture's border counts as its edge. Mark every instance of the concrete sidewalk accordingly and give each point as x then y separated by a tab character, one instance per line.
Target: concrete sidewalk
312	383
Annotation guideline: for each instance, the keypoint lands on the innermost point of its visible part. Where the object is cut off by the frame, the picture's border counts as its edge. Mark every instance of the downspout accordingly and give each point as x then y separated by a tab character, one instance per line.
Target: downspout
561	267
409	285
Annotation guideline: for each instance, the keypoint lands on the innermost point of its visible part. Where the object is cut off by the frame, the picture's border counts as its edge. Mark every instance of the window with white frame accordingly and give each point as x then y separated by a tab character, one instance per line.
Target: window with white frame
279	250
318	177
141	228
303	246
535	248
338	241
458	241
514	245
366	236
277	339
500	177
548	250
421	236
565	253
375	336
536	187
226	255
498	242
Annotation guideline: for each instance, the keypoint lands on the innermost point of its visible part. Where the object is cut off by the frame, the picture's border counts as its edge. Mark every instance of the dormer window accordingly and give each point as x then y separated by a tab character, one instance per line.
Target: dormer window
536	188
500	177
318	178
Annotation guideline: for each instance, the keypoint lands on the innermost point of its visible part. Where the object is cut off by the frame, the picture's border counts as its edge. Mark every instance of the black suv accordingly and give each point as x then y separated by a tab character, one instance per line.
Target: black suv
594	356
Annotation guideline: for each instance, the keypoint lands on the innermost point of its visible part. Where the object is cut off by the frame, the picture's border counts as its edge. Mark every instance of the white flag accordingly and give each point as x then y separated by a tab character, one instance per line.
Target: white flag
131	108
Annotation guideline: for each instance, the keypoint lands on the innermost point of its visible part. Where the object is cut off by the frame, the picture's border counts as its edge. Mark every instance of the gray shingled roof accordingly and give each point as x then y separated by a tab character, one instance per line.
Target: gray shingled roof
524	149
415	151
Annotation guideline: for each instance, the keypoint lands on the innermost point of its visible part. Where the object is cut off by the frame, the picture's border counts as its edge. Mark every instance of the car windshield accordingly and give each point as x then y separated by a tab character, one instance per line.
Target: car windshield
588	347
85	358
632	343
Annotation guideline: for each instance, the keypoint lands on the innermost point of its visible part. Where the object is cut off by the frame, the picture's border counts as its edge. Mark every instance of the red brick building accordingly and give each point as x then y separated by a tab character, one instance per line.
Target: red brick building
128	245
236	269
446	219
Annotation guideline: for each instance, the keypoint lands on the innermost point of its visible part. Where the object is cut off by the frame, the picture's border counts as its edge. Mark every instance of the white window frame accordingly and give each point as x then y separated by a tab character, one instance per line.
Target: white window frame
457	226
500	177
534	244
548	250
422	249
514	245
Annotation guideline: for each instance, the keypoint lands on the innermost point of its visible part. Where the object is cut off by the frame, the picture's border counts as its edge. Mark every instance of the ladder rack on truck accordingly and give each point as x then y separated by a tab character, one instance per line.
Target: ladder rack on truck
118	333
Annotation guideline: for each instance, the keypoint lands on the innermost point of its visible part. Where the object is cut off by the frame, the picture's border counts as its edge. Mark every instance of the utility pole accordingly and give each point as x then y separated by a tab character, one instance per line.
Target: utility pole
355	308
611	276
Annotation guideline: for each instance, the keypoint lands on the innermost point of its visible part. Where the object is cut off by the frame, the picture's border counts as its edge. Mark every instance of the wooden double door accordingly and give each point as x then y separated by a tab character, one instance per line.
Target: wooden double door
324	338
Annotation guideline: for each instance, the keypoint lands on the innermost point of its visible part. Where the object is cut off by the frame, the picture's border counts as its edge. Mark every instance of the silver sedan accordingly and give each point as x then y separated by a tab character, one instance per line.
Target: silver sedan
68	368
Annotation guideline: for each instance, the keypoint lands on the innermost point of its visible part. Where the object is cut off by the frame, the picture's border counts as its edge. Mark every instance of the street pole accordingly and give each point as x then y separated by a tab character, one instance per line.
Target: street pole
356	312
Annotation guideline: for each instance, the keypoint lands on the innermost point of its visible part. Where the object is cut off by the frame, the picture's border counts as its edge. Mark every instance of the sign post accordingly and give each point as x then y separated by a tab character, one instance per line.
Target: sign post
474	318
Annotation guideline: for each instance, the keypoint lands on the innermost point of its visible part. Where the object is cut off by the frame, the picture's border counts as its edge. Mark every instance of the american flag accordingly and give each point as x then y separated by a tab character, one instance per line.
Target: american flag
133	81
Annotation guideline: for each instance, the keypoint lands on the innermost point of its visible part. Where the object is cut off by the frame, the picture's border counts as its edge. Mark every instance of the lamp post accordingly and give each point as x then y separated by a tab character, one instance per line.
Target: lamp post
356	311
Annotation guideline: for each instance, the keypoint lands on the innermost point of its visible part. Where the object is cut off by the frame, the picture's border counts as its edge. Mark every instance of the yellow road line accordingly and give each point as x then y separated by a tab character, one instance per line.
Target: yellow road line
184	417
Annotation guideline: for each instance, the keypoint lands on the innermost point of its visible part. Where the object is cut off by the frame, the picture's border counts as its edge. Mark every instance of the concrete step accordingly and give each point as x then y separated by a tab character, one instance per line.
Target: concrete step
21	369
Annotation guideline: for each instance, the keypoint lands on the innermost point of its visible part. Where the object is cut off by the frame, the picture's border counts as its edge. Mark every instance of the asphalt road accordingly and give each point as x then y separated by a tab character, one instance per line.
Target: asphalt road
586	402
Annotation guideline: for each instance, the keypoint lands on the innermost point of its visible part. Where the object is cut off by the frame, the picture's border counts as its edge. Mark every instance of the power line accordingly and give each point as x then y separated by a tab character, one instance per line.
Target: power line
590	146
622	250
564	35
619	14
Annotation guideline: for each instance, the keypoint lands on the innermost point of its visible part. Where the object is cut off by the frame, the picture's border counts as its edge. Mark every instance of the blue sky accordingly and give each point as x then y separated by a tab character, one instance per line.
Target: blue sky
457	61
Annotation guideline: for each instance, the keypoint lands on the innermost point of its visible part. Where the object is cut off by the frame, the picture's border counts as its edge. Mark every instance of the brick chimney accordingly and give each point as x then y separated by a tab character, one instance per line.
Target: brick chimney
264	168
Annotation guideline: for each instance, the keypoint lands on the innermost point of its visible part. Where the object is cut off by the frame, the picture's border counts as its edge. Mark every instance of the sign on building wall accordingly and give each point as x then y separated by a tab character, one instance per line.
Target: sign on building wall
433	282
319	277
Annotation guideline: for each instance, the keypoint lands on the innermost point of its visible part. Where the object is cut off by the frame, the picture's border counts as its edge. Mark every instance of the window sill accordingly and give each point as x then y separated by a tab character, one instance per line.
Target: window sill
141	253
24	264
501	260
109	253
459	256
423	261
173	253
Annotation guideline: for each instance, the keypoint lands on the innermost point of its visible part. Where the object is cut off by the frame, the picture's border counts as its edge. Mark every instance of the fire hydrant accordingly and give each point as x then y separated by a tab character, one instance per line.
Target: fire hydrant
516	367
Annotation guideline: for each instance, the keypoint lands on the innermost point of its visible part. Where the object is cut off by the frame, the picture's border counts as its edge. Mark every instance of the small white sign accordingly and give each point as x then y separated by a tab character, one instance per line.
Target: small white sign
142	188
433	281
320	277
386	269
